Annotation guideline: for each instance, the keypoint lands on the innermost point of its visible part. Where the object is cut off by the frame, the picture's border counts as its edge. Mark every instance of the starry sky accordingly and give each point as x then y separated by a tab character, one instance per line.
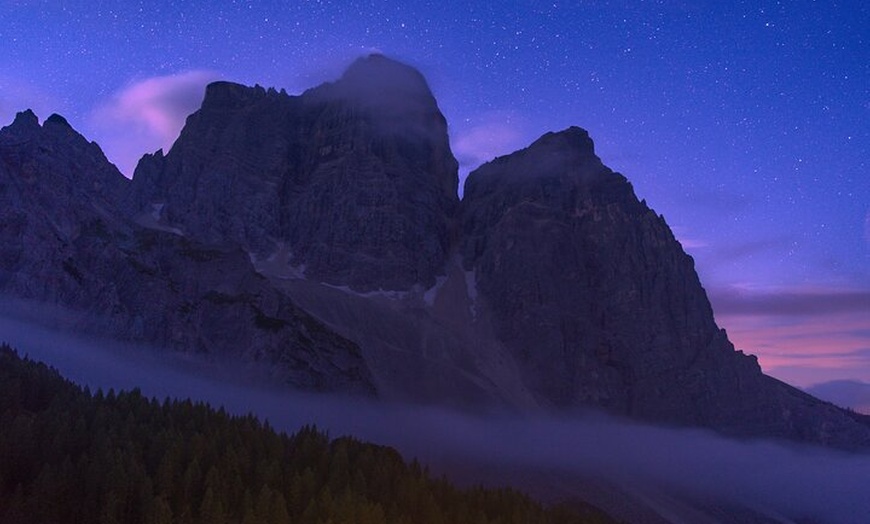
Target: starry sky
746	124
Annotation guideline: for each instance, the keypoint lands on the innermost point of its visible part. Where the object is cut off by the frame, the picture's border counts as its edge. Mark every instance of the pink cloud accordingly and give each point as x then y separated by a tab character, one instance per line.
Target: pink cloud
800	336
493	134
686	240
148	115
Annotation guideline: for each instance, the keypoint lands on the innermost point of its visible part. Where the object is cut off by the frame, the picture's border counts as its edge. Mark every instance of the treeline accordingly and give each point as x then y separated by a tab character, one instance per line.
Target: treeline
68	456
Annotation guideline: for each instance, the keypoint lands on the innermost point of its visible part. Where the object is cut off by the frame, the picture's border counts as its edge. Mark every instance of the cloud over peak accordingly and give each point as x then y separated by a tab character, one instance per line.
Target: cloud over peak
148	114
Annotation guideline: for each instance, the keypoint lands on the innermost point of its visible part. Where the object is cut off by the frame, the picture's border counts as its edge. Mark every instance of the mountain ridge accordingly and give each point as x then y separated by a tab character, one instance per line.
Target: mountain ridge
322	233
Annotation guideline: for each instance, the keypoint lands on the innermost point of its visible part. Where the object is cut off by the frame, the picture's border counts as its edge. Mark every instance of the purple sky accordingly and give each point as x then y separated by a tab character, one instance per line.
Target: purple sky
747	124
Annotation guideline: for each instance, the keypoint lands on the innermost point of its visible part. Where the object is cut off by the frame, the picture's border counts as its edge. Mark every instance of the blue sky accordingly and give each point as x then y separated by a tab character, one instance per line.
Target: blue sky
746	124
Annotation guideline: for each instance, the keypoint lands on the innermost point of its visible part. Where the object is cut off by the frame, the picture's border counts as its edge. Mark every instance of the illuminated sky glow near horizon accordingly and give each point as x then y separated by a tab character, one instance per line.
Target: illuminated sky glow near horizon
746	124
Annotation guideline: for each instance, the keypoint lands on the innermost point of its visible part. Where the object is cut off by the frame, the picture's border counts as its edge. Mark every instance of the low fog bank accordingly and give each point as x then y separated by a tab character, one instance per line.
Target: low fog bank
781	480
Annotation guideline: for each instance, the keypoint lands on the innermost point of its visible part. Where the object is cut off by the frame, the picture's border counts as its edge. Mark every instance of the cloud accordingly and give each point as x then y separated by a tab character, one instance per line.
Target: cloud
685	238
801	336
160	104
732	301
493	134
719	202
148	115
545	453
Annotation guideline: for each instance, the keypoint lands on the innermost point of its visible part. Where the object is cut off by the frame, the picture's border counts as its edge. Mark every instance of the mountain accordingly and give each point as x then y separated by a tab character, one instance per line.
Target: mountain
595	299
321	235
67	251
851	394
354	180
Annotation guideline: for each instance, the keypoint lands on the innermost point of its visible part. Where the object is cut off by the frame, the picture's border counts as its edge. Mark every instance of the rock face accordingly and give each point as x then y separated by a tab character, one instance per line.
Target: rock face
356	178
66	243
321	234
586	285
592	295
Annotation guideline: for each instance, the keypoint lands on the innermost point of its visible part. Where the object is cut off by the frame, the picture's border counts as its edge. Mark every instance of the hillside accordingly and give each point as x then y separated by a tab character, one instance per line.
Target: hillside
68	455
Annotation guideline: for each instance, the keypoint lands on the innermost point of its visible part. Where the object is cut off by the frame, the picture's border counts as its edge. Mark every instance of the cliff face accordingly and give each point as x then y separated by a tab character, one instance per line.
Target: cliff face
66	244
354	179
321	235
587	285
591	294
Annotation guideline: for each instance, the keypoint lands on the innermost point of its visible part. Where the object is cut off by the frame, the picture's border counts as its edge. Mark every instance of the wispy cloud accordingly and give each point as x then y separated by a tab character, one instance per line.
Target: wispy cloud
550	454
148	114
790	302
802	336
687	240
492	134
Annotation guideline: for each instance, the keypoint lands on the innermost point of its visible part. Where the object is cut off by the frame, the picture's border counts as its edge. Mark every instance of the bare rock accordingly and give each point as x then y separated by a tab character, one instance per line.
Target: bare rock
595	298
356	177
65	244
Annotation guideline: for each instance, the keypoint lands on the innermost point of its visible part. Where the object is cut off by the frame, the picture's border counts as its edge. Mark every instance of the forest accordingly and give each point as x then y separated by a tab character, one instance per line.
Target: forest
72	456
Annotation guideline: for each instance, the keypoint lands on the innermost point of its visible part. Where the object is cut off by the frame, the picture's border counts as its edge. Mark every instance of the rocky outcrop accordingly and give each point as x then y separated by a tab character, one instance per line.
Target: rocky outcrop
354	178
591	293
586	284
66	246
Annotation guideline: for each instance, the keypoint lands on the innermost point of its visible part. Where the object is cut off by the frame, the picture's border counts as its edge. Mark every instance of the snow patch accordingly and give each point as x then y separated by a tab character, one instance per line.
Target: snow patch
154	220
278	264
431	294
382	293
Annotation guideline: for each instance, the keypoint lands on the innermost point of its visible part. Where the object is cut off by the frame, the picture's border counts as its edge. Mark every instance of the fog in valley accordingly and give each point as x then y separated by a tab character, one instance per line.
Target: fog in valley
550	455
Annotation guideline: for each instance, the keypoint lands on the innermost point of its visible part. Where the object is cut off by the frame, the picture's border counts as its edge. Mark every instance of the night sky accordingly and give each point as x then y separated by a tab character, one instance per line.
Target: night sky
746	124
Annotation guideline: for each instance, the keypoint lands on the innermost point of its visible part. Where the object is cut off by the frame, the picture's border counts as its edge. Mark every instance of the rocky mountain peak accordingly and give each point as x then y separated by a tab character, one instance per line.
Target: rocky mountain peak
376	76
551	163
57	152
57	120
355	177
395	98
222	95
26	118
25	125
571	139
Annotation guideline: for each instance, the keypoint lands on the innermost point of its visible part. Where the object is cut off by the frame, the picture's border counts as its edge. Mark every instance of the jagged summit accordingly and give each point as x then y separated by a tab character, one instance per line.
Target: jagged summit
548	164
26	118
56	119
27	121
572	138
224	95
25	125
60	161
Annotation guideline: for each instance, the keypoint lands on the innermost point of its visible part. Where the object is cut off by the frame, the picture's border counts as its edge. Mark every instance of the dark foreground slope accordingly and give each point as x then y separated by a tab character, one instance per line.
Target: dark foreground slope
69	456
